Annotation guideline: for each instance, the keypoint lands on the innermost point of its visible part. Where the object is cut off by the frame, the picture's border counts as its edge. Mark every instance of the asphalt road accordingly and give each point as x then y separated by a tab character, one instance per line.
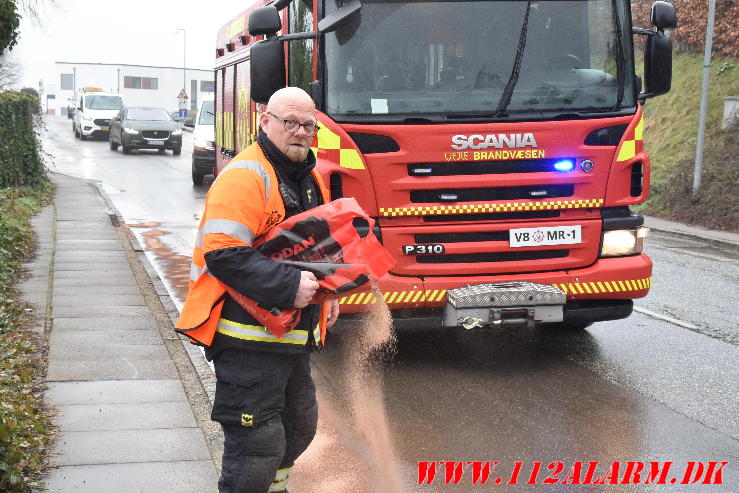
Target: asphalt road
662	385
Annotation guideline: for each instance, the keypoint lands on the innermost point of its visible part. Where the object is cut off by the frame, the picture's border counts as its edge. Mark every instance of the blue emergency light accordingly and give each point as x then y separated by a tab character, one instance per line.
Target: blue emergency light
564	165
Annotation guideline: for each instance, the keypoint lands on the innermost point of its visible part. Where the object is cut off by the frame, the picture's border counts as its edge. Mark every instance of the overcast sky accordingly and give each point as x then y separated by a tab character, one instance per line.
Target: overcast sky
140	32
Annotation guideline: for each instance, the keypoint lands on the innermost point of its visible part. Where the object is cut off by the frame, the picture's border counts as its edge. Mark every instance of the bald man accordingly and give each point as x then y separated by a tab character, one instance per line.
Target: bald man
265	397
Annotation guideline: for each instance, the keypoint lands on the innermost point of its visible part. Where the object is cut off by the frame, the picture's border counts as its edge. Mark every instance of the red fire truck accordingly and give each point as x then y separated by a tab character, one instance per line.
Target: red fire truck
498	144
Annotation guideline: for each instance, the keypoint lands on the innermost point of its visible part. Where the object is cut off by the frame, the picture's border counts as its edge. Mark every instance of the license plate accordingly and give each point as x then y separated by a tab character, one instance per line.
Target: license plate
156	142
105	129
556	235
422	249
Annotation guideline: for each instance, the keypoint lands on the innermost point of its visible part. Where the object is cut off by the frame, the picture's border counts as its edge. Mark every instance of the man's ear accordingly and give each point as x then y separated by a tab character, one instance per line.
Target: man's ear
263	119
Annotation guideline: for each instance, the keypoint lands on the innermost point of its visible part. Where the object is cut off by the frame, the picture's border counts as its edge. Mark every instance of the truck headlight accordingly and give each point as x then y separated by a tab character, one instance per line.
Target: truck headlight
620	242
130	131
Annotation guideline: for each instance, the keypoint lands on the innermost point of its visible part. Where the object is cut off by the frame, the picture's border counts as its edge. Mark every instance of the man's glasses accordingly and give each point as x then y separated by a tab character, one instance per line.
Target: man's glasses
292	126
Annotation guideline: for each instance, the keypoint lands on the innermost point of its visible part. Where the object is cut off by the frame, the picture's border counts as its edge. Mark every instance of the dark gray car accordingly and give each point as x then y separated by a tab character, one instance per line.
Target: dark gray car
139	127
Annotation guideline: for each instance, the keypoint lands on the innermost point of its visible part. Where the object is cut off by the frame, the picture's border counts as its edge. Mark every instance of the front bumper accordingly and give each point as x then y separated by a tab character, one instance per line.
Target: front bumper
204	159
140	142
608	279
90	129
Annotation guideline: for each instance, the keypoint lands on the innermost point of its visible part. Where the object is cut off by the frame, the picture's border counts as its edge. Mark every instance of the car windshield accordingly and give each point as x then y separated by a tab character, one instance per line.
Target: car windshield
103	102
148	114
206	116
456	58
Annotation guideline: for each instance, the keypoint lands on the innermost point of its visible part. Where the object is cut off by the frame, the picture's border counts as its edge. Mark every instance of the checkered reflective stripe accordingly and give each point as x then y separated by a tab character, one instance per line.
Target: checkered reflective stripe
436	210
332	147
632	143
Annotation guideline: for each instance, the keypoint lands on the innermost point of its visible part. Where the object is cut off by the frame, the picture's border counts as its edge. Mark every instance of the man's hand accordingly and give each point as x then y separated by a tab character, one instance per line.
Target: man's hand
306	289
333	312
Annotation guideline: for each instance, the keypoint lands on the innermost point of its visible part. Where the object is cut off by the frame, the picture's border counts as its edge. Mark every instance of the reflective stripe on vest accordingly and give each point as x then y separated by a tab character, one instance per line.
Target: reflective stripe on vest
226	227
260	333
254	166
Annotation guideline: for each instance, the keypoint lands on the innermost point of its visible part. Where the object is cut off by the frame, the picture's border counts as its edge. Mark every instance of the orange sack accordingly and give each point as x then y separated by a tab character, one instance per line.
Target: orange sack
333	241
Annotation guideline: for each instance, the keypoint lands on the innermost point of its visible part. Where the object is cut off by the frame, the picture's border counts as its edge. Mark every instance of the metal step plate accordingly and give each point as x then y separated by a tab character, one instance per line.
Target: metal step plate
517	293
517	303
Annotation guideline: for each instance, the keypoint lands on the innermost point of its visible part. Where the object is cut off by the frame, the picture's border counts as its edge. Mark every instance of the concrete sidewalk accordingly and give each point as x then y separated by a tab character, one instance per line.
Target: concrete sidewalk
125	422
724	239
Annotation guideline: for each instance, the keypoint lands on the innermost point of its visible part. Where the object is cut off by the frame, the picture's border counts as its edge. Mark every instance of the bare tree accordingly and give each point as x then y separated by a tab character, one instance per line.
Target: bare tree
35	9
10	71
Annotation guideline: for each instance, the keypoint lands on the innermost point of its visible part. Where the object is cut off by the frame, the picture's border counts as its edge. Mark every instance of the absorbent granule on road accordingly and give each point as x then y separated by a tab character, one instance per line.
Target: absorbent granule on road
373	340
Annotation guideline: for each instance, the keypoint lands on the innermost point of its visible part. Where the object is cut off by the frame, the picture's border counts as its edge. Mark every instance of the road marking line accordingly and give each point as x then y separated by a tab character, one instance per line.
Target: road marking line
659	316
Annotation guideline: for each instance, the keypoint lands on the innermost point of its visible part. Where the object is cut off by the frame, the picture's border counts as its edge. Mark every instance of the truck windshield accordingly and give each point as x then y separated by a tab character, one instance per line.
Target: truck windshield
207	116
148	114
103	102
455	58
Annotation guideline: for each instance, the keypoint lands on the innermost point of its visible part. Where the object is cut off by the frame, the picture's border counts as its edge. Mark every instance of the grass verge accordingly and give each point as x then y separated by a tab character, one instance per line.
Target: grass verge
24	426
671	130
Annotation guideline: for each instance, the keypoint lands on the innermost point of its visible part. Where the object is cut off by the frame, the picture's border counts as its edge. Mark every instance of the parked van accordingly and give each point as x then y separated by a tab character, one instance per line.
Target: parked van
94	111
204	149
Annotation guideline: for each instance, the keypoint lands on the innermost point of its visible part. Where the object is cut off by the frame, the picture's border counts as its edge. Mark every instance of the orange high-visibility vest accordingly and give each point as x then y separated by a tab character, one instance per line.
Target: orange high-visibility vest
243	203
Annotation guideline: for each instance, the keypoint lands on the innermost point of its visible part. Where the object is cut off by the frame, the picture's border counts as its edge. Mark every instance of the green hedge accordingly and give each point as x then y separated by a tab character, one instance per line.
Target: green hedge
21	162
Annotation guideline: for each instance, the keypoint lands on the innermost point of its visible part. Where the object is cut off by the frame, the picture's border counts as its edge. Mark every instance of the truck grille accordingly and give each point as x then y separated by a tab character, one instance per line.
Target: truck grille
155	134
490	194
495	216
102	122
469	258
482	167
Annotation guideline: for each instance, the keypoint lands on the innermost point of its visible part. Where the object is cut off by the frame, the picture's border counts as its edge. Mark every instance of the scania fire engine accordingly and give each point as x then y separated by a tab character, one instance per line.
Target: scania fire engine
498	144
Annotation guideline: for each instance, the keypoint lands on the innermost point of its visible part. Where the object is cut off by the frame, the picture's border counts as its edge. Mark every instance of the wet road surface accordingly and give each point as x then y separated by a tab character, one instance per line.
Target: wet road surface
662	385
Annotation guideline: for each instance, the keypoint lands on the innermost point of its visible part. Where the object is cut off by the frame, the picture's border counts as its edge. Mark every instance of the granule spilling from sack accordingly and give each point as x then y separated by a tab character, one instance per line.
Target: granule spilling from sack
373	340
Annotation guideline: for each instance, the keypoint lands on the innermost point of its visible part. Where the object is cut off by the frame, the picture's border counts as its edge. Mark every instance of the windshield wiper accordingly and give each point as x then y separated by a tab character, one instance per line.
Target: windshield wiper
505	98
620	65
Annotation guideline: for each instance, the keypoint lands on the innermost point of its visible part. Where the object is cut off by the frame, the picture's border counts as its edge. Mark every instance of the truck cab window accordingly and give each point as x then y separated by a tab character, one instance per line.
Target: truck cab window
301	52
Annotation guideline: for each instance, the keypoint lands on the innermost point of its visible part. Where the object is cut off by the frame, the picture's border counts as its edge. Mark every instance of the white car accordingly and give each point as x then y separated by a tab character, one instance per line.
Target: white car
93	113
204	147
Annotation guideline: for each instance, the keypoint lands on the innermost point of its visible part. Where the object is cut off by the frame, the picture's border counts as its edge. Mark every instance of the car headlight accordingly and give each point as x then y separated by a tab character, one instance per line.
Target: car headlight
177	132
620	242
87	117
131	131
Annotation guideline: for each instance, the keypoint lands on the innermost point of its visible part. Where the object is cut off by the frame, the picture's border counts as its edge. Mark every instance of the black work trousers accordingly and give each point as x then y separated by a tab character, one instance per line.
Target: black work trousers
266	403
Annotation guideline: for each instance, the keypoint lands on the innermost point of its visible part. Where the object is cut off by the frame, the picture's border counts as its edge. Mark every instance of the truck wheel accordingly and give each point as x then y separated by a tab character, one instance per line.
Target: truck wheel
177	151
197	178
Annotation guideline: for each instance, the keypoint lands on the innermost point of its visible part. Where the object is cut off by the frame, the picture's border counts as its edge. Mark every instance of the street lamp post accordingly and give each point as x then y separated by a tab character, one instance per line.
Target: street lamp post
184	57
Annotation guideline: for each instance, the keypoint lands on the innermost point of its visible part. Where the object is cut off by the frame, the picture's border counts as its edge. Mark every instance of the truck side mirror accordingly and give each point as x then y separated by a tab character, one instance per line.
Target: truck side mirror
658	51
264	21
663	16
657	65
267	69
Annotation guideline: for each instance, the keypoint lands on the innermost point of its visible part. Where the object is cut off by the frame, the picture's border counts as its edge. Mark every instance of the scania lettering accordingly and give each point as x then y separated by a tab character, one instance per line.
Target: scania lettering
462	142
498	145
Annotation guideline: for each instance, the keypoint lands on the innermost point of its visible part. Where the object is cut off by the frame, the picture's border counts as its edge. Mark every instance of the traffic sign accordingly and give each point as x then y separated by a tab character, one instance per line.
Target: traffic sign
182	95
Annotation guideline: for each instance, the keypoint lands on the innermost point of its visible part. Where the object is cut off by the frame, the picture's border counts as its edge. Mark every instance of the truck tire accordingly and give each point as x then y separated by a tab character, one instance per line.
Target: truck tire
197	178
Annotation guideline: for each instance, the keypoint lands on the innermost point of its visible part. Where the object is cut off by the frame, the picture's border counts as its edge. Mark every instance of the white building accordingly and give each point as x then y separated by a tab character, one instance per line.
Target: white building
140	85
